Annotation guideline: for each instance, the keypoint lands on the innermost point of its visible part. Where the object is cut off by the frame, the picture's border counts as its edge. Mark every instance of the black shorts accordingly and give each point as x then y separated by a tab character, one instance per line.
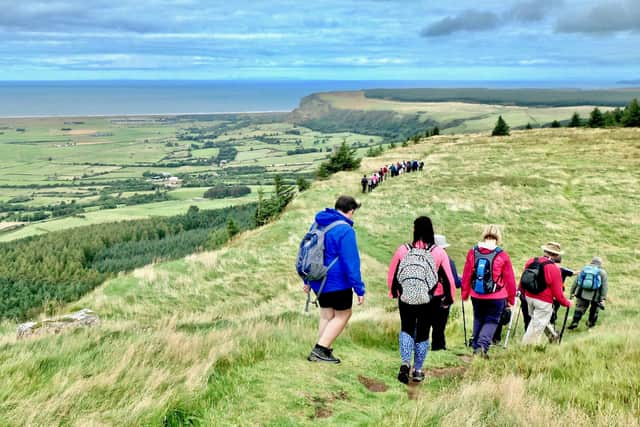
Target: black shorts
338	300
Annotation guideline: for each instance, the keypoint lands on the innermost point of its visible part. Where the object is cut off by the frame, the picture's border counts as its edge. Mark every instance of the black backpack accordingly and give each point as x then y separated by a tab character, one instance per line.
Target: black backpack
532	279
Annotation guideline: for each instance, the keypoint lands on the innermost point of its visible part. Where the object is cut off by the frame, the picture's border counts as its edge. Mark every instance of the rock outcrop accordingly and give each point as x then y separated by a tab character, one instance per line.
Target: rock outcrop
82	318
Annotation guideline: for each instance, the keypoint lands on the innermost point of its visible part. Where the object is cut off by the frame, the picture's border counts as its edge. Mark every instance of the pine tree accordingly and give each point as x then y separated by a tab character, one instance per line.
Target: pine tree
555	124
232	228
435	131
528	126
302	184
342	159
575	121
501	128
596	119
631	116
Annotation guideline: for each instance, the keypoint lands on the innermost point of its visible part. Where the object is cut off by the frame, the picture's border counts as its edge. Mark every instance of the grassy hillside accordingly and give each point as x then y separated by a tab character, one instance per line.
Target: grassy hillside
219	338
524	97
359	111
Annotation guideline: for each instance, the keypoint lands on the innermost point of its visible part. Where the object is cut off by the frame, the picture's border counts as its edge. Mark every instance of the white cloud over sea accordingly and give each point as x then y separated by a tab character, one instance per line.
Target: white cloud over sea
325	39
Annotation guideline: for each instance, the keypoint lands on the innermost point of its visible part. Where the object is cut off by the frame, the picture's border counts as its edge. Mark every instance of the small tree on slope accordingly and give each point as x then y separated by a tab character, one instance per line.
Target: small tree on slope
631	116
501	128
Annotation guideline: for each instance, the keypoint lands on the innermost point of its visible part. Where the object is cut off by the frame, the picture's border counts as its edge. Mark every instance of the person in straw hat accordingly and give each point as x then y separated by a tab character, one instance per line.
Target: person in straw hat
540	304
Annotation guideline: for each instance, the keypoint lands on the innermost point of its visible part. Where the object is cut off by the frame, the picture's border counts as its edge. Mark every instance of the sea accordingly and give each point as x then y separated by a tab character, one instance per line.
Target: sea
144	97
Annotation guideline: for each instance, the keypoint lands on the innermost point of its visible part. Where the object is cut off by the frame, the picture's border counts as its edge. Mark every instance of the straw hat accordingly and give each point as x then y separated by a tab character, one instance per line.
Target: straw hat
552	248
441	240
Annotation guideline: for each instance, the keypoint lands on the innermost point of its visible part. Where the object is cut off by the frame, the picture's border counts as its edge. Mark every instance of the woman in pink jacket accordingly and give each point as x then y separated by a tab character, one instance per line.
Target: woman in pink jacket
488	277
417	319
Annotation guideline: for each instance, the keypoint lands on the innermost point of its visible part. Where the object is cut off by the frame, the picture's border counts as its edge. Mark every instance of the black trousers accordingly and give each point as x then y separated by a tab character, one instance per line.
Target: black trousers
440	318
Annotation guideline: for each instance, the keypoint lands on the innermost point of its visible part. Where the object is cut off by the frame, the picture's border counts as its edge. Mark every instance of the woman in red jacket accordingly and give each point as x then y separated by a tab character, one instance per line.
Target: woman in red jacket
488	278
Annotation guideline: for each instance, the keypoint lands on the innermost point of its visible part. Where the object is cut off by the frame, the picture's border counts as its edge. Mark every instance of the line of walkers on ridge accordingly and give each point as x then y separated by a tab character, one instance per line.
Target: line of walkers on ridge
424	280
369	183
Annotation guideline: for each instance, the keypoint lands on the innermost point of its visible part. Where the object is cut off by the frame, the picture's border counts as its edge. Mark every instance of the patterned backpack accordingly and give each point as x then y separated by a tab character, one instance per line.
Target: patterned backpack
417	276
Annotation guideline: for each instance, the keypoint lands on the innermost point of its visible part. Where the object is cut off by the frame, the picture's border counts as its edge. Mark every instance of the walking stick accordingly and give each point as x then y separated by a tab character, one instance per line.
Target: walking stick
515	326
506	340
564	323
464	323
306	305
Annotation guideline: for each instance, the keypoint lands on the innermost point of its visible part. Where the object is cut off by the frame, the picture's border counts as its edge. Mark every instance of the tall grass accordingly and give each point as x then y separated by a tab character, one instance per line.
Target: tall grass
219	338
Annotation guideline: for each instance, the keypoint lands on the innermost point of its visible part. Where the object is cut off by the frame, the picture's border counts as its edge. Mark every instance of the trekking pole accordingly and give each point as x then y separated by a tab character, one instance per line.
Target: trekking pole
515	326
506	340
564	323
464	323
306	305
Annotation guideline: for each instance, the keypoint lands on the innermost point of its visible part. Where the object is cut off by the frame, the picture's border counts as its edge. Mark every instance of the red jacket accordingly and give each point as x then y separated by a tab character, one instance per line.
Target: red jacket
502	275
553	279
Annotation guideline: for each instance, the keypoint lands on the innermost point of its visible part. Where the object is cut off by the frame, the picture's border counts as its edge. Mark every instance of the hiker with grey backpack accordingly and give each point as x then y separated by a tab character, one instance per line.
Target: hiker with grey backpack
420	278
590	289
329	264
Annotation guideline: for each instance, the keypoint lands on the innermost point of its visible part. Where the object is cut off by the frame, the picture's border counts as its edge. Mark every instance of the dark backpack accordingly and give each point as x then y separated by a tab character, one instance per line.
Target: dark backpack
482	279
310	262
416	275
589	278
532	279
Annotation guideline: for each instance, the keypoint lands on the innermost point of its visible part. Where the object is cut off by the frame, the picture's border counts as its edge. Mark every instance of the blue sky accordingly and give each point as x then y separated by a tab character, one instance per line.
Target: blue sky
320	40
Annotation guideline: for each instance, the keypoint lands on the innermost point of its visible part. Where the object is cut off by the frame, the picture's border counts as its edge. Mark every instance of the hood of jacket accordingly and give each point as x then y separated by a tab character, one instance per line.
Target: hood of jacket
327	216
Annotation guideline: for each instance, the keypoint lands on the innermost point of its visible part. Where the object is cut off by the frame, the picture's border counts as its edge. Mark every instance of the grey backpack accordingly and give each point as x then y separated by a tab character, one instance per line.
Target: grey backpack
417	276
310	262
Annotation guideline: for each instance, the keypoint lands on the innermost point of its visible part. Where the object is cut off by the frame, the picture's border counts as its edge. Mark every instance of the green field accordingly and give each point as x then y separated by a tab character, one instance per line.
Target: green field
50	161
522	97
219	338
451	116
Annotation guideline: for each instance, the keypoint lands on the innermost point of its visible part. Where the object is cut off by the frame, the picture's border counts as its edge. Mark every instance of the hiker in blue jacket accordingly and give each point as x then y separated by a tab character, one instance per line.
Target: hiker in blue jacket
342	280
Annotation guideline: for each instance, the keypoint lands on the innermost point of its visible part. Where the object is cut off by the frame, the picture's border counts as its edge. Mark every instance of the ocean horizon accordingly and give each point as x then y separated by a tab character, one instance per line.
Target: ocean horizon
182	97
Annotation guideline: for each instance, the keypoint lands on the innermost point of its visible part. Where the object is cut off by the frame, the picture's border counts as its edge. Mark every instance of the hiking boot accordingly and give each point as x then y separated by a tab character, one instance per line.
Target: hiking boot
418	376
479	352
403	375
591	324
554	339
573	325
322	355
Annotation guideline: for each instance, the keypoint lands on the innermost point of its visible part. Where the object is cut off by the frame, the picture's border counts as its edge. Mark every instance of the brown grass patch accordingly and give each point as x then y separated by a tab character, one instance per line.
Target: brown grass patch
6	225
455	371
372	384
81	132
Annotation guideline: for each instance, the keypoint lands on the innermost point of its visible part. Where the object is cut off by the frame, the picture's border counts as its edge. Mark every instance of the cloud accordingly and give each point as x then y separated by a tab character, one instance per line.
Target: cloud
532	10
603	18
468	20
473	20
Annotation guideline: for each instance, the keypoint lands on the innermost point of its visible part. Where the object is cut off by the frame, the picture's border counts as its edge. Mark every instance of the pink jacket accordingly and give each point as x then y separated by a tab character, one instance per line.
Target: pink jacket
502	274
442	266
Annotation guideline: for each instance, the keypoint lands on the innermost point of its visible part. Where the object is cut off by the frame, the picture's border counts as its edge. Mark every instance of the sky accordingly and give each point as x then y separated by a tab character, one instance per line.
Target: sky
463	40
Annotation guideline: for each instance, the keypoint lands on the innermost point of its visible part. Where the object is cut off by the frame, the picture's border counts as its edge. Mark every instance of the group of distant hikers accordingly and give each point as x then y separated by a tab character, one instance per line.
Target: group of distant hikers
369	183
423	278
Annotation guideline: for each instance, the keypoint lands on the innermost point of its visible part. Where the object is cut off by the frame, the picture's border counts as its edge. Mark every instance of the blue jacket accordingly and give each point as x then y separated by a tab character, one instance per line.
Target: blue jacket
340	241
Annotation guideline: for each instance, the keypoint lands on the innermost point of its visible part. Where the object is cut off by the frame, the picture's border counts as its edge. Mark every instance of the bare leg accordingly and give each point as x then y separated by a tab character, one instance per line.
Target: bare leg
326	314
334	327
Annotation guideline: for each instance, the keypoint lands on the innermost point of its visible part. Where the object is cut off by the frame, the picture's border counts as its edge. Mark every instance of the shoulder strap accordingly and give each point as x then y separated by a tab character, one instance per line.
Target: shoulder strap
334	224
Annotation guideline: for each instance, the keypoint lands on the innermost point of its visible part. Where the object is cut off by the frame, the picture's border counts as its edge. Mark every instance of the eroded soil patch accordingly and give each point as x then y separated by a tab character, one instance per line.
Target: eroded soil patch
372	384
